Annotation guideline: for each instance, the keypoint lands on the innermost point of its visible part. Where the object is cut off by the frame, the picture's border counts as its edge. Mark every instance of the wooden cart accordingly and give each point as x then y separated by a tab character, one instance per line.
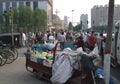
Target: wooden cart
46	72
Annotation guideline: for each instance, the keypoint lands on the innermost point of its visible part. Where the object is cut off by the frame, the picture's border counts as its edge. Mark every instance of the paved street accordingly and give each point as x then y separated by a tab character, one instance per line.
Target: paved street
16	73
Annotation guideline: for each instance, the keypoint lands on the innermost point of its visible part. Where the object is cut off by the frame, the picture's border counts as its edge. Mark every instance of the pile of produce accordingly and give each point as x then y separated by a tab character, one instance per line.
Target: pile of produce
45	58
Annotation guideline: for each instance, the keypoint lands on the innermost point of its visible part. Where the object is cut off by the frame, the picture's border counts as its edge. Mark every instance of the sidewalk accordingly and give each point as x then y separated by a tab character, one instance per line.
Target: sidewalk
115	80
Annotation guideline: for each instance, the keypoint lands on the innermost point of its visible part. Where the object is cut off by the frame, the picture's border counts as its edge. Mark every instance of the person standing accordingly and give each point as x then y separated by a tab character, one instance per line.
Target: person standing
85	39
23	39
62	39
51	38
100	43
45	37
92	41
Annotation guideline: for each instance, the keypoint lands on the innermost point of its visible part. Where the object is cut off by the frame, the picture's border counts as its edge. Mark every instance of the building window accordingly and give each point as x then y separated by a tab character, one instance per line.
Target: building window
35	5
21	3
27	3
7	5
14	4
93	22
1	8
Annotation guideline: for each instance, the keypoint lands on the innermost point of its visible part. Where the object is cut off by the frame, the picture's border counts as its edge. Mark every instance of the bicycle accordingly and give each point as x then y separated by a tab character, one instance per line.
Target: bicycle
7	55
2	60
12	48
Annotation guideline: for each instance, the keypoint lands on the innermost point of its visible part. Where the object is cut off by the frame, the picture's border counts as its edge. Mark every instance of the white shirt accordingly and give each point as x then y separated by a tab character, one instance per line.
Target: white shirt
23	36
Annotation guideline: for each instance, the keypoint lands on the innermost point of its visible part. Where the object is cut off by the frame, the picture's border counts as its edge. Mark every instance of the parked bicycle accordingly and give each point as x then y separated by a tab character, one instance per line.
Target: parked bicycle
12	48
7	55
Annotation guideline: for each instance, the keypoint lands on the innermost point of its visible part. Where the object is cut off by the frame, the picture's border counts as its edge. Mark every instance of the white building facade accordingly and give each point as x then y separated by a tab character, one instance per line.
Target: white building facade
99	15
46	5
84	21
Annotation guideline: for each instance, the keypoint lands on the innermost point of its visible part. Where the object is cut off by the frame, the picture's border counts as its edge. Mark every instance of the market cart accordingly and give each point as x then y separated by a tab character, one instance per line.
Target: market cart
46	71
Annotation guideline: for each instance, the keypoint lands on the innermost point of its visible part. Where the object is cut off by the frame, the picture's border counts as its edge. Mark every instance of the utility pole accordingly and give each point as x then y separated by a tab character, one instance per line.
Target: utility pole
72	16
11	23
107	55
56	12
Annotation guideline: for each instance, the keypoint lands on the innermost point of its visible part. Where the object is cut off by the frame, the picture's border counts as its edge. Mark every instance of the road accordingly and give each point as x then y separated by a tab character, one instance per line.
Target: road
15	73
115	74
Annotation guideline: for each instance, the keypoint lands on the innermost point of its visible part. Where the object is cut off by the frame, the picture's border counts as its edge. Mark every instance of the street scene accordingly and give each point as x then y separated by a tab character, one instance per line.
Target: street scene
16	73
39	46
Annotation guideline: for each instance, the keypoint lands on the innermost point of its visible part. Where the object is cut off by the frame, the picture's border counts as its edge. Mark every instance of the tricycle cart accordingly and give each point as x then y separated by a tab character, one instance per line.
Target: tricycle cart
46	72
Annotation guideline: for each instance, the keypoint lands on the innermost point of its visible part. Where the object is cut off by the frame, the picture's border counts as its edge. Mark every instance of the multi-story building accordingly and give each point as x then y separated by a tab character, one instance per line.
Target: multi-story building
84	21
56	22
65	22
46	5
99	15
60	24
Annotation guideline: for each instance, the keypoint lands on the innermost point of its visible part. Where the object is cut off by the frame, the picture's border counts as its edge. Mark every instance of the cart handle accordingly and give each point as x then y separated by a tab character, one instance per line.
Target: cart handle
54	50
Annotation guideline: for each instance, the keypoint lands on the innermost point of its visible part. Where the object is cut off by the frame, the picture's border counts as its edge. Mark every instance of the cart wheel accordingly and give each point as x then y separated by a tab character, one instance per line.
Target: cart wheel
39	75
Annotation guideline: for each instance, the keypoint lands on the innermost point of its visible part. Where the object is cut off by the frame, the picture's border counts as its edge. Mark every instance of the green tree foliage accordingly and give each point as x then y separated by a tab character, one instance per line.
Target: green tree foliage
25	18
21	16
77	27
37	21
40	19
5	22
43	19
70	27
15	15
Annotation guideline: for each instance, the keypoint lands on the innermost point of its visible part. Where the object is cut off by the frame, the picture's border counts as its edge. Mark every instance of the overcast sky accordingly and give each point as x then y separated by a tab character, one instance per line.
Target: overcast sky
65	7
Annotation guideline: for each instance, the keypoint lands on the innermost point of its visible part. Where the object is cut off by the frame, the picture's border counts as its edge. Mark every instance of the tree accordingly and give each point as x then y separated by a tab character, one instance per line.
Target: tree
43	19
6	21
37	17
77	27
70	27
25	17
40	19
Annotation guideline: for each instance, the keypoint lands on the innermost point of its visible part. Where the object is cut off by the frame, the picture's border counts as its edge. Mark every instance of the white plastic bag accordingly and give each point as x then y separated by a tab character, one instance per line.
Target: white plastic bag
62	70
95	52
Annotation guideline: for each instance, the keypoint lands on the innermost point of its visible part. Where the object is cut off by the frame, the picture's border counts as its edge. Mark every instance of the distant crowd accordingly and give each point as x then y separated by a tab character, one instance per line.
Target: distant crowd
80	39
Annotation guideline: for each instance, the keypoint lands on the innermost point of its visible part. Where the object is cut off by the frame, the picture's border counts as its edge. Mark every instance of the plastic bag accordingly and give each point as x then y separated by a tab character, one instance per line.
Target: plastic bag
61	71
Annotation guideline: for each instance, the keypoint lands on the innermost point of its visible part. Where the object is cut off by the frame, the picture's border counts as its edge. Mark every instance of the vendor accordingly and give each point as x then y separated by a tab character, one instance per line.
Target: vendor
48	46
80	43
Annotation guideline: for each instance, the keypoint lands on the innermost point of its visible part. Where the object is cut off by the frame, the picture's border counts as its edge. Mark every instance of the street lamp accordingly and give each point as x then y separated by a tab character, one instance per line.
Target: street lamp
5	20
11	23
72	15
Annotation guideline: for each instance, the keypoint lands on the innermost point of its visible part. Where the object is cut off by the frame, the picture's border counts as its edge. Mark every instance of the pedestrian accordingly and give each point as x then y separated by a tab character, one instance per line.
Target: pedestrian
51	38
45	37
85	39
92	41
69	37
79	42
100	43
23	39
62	39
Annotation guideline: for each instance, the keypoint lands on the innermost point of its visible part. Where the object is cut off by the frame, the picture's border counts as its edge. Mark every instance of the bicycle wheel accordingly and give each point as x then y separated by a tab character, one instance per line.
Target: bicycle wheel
0	60
15	53
3	59
9	55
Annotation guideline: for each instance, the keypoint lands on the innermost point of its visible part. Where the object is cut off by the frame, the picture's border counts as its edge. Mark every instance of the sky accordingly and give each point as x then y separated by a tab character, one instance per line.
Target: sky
65	7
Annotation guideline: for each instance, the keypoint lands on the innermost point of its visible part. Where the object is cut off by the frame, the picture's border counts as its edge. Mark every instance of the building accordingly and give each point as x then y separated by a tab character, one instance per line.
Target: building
84	21
65	22
99	15
46	5
56	22
59	24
